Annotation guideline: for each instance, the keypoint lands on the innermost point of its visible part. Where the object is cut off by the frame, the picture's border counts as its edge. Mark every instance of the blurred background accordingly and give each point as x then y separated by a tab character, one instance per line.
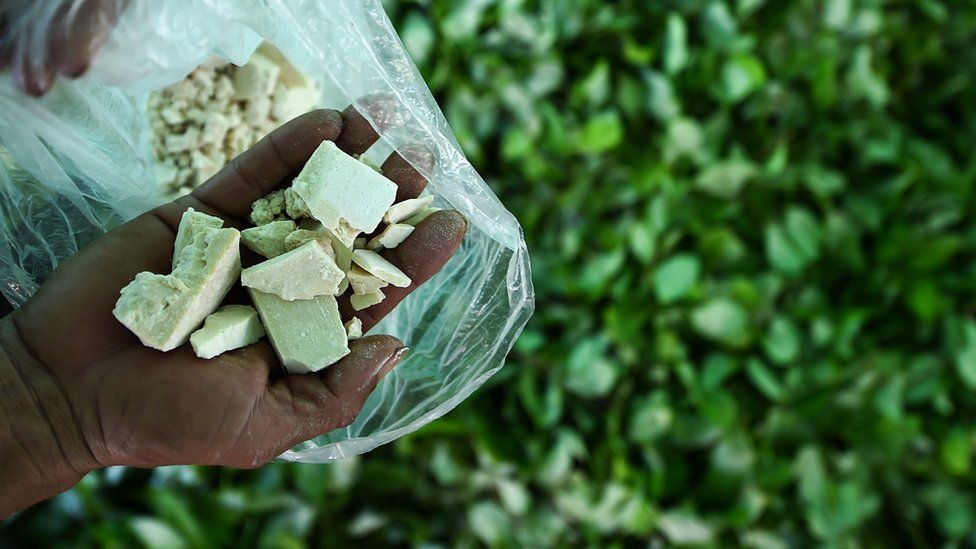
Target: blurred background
752	241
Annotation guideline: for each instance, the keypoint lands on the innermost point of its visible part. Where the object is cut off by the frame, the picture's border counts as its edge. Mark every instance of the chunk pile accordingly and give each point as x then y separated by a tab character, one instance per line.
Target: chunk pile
309	235
219	111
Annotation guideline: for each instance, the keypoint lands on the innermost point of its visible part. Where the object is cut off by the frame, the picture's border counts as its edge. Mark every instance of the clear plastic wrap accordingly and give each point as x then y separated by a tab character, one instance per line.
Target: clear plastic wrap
77	162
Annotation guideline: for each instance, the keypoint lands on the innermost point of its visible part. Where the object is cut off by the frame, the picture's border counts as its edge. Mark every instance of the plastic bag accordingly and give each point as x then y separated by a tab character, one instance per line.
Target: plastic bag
76	163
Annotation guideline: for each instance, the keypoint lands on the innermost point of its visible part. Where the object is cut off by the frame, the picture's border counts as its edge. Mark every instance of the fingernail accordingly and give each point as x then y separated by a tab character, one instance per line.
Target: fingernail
391	363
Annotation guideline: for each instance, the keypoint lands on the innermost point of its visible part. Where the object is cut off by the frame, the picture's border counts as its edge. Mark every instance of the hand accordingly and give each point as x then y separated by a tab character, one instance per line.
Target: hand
80	391
75	33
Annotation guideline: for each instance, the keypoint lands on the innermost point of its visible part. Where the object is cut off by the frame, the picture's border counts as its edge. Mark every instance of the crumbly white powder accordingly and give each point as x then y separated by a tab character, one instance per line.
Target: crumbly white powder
203	121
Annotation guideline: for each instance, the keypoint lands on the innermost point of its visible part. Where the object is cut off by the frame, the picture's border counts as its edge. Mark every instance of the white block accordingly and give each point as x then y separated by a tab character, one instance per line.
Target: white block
391	237
336	186
354	328
229	327
362	282
402	210
360	302
303	273
269	239
307	335
256	78
162	310
379	267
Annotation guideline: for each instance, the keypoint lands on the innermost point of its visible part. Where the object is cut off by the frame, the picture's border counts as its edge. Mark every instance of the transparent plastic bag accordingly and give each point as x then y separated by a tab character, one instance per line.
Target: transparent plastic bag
76	162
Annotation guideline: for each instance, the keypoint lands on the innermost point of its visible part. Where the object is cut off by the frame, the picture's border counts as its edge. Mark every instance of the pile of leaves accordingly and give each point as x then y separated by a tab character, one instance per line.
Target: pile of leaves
751	225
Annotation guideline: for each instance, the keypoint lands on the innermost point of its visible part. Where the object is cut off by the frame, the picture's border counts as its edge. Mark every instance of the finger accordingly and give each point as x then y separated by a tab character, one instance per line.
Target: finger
420	256
81	31
269	164
309	405
34	78
399	168
357	133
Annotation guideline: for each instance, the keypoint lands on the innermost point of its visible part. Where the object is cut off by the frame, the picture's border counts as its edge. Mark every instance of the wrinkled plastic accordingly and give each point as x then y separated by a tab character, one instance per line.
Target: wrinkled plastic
76	163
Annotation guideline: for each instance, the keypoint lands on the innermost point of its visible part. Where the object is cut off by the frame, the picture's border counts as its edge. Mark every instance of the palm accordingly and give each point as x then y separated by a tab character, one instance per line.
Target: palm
138	406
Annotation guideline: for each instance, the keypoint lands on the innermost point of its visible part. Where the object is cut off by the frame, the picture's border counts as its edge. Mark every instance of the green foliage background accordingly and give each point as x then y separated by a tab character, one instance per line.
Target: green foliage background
751	224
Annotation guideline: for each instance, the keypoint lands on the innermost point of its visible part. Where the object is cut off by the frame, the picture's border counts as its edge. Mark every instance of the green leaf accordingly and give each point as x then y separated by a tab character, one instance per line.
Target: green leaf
722	320
590	372
488	523
725	179
652	417
661	99
155	534
685	139
718	25
177	512
516	144
683	528
764	380
675	278
889	400
595	87
783	253
837	13
804	231
966	355
734	455
598	271
952	509
717	368
926	300
418	36
742	75
782	341
600	133
864	82
675	44
957	452
642	243
822	181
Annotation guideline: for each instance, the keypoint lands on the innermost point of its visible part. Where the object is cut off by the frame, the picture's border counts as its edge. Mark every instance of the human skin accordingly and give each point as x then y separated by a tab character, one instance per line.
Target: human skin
78	391
70	39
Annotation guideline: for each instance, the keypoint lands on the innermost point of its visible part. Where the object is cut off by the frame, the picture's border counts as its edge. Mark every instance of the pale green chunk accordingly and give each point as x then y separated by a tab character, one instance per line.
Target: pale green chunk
229	327
192	221
336	186
343	255
391	237
303	273
269	239
362	282
307	335
345	233
162	310
354	328
423	214
267	208
402	210
376	265
295	207
299	237
360	302
256	78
